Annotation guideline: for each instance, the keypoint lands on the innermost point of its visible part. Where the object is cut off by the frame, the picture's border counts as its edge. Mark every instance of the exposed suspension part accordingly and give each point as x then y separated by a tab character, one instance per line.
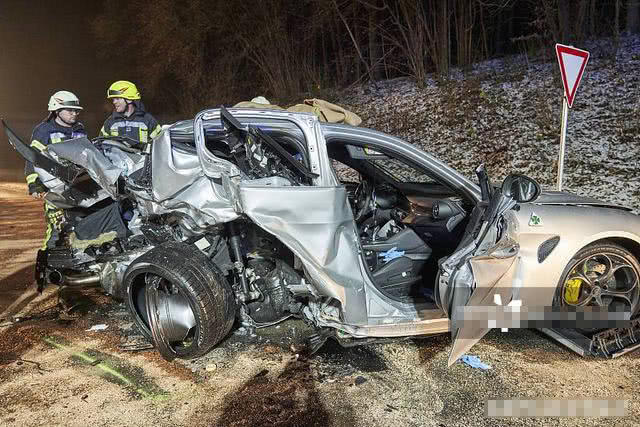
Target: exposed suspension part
609	343
617	341
239	265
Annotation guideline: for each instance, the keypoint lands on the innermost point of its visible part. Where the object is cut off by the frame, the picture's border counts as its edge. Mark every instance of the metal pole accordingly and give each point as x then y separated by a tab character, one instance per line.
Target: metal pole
563	138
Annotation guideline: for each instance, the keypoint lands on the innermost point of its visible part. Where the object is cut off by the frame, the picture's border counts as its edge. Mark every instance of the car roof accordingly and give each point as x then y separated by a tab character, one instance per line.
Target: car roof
347	134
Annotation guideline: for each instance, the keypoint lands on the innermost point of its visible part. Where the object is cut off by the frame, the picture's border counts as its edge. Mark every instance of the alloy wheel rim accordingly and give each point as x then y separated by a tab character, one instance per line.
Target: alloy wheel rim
171	319
601	280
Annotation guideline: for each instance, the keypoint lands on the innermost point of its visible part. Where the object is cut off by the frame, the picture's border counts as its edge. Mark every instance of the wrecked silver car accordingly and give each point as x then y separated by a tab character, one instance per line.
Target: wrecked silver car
260	215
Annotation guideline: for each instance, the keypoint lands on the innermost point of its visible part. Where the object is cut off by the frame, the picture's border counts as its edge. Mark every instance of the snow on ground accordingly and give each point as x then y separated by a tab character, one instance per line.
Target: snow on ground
507	114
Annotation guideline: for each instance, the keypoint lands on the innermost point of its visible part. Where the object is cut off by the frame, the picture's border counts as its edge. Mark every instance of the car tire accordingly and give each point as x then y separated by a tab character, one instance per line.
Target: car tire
176	270
597	252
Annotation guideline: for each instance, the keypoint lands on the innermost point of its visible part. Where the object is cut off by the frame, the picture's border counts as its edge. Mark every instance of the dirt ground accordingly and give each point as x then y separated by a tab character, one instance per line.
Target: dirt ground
55	372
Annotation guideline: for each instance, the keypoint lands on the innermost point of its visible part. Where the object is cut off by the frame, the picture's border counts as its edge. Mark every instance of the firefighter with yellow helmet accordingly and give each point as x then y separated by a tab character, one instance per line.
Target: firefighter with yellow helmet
129	117
60	125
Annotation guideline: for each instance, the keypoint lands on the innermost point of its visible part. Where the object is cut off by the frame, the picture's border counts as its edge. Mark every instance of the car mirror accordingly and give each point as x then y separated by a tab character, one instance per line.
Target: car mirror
521	188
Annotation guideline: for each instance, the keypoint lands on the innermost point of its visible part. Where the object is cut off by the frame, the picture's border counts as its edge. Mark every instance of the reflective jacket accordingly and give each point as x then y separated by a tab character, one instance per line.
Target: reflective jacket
140	126
48	132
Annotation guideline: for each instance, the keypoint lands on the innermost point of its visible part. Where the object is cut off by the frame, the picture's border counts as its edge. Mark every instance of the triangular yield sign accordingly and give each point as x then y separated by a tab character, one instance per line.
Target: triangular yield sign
572	62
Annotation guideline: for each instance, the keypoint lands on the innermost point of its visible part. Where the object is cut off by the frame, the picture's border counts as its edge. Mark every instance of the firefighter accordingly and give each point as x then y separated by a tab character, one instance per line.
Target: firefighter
129	117
60	125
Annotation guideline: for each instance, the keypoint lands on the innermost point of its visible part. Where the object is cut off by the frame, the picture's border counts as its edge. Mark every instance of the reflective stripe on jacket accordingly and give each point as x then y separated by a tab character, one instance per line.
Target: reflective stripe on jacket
50	132
140	126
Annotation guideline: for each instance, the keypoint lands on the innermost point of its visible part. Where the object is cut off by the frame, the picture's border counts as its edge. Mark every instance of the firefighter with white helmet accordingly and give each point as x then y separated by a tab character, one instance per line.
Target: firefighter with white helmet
129	117
60	125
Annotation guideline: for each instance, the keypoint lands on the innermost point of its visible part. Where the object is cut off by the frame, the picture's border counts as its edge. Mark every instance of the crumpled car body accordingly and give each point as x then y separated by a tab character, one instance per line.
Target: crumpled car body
259	215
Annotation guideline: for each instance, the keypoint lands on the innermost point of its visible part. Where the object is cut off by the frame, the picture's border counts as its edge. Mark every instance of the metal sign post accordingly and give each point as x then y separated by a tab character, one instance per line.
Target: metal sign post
563	137
572	62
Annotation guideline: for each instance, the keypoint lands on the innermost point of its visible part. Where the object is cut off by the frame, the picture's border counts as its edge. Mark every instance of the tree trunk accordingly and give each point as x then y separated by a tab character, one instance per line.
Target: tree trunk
356	32
507	40
616	30
496	40
443	37
463	17
592	31
374	44
616	25
336	34
325	61
633	16
564	18
483	33
579	24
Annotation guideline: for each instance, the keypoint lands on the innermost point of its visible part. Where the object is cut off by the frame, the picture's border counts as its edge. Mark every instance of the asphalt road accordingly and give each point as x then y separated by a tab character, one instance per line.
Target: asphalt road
55	372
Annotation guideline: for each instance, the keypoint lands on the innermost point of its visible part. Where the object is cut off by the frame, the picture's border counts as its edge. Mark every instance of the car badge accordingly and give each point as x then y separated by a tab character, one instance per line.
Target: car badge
534	220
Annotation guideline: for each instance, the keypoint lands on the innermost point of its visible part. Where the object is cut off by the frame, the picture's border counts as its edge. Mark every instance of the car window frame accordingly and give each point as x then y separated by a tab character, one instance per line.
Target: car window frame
392	181
183	130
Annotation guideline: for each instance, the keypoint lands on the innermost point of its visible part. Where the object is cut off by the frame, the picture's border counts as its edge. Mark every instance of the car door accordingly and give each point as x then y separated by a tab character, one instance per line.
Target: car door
309	215
479	276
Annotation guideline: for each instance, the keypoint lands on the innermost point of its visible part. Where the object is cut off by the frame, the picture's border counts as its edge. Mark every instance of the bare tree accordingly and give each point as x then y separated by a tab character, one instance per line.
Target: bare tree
593	18
633	16
616	30
407	32
464	14
188	54
375	45
356	44
565	21
172	45
441	36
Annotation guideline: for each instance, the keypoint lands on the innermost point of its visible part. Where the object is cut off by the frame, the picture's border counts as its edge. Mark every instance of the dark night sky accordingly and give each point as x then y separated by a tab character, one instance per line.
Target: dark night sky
49	46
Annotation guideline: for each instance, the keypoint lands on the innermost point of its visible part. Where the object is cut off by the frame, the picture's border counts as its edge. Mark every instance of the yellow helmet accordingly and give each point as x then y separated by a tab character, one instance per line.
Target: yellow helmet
123	89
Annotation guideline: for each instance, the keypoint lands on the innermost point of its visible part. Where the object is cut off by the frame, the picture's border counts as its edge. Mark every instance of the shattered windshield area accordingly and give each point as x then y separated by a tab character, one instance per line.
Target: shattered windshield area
265	155
259	147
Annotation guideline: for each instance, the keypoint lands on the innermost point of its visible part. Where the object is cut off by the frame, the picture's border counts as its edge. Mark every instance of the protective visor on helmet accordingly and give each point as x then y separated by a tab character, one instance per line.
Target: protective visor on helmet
117	93
70	104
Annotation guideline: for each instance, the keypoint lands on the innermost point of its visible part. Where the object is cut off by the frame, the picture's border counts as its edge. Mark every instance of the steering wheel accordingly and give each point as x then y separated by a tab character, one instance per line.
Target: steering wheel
363	196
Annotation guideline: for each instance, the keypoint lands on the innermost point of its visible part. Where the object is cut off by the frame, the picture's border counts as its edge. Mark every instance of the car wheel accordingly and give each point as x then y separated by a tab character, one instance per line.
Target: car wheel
179	300
604	275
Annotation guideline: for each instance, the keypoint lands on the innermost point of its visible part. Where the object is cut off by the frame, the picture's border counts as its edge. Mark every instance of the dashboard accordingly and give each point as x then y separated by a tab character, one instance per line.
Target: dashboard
438	219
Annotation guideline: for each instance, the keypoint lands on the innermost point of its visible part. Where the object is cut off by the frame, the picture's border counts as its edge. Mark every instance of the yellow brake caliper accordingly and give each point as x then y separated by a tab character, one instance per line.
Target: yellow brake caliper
572	290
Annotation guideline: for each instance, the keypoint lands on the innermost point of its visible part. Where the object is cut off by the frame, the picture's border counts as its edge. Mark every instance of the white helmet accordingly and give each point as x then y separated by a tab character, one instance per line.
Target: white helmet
64	99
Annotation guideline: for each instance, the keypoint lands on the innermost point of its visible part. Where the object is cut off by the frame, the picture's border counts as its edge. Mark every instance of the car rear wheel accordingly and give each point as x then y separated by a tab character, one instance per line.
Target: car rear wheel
179	300
603	274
